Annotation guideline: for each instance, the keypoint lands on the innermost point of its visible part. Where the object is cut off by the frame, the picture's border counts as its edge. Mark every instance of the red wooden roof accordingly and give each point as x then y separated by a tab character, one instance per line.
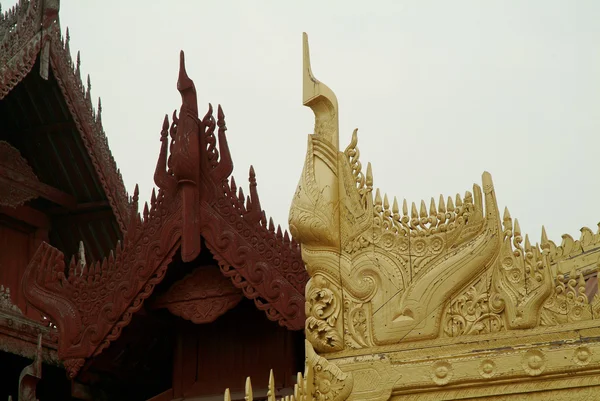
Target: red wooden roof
198	204
52	120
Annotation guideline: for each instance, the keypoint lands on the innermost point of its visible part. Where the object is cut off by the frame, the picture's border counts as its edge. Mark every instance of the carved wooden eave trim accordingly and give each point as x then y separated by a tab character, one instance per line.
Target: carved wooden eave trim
92	303
24	29
196	199
18	335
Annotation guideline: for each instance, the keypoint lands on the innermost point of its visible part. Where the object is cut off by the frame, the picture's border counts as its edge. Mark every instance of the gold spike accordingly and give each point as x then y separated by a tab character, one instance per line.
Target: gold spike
450	205
395	208
545	241
249	396
271	391
468	197
377	197
478	196
527	243
404	208
432	207
442	205
369	180
507	220
459	201
300	381
517	228
413	211
386	203
227	395
423	211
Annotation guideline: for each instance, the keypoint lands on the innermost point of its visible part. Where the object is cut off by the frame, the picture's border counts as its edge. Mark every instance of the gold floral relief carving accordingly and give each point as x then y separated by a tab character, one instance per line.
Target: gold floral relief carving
471	312
323	314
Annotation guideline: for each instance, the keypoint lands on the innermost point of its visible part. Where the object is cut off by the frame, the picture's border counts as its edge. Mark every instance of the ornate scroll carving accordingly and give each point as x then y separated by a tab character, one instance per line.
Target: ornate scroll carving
202	296
471	312
522	279
568	302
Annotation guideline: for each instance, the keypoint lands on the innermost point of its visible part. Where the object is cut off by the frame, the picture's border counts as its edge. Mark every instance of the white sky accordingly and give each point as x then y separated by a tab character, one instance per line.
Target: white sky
439	90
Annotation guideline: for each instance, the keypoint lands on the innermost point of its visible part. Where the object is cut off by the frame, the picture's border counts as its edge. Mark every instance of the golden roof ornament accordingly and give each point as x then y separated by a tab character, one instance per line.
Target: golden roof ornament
446	302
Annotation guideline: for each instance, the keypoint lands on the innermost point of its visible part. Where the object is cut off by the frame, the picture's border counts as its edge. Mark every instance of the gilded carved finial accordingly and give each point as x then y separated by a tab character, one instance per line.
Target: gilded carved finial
320	99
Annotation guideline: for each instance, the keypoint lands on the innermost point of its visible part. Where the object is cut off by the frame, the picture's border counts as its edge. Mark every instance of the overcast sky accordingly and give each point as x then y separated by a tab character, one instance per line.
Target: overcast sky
439	90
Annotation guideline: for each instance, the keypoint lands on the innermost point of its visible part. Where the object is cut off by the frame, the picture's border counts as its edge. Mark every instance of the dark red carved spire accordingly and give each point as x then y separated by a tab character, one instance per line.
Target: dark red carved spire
186	162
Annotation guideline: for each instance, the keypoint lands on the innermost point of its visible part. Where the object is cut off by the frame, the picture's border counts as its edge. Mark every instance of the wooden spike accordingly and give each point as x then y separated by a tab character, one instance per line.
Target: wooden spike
146	211
153	198
279	233
263	219
271	225
136	193
233	185
241	195
165	126
78	65
286	237
99	111
249	396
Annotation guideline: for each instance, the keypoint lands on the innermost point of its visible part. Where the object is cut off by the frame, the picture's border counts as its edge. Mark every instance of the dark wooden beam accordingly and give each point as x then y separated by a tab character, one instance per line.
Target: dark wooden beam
10	178
27	215
81	208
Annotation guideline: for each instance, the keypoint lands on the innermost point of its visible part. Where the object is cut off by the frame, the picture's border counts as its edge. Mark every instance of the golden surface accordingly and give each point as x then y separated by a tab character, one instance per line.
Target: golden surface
446	302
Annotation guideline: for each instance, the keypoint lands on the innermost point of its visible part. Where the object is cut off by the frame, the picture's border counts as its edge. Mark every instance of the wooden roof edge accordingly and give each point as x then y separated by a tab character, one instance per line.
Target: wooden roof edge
22	39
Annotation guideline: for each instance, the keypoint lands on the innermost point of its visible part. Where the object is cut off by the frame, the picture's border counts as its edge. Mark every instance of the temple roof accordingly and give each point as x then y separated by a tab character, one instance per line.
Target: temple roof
199	215
47	114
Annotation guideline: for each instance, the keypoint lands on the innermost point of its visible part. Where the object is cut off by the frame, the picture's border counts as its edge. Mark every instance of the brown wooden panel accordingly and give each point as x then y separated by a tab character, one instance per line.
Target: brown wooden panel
14	255
241	343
